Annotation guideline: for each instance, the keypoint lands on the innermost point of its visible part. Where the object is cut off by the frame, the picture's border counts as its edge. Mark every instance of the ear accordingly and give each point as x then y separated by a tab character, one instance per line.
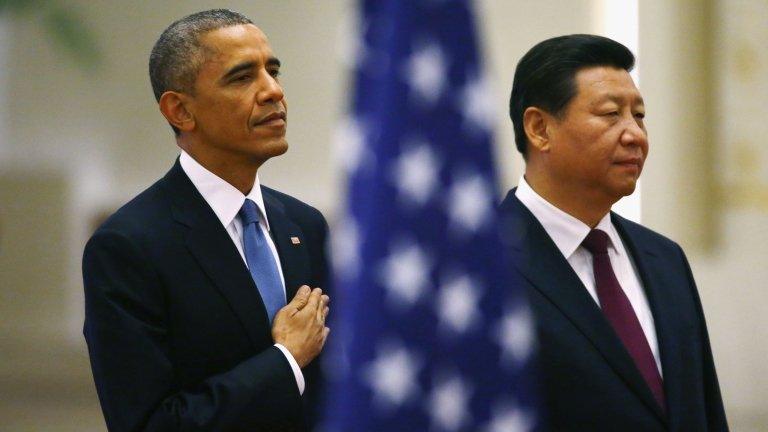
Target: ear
536	124
173	105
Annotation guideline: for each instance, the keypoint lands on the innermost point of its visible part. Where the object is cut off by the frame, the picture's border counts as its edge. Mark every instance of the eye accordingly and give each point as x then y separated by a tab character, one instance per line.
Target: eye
274	73
241	78
640	115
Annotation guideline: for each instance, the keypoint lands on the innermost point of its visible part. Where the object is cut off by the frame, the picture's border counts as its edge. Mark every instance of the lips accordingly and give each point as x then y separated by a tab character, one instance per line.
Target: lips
273	119
630	161
634	165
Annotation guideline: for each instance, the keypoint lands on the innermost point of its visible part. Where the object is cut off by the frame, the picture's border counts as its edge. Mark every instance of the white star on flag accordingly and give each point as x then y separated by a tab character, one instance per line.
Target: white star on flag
392	376
515	335
457	304
510	419
346	248
476	103
421	187
448	404
470	203
425	72
405	273
349	146
415	173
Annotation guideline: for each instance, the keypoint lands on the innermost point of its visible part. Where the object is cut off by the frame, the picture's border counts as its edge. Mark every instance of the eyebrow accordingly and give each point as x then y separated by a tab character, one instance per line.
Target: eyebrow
271	62
618	99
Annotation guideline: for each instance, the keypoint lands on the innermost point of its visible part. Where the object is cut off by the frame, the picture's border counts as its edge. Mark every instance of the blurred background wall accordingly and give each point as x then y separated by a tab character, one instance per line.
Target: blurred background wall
76	142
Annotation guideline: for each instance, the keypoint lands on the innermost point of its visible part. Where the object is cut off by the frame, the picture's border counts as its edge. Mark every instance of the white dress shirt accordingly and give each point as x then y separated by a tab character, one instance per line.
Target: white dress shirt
225	200
567	233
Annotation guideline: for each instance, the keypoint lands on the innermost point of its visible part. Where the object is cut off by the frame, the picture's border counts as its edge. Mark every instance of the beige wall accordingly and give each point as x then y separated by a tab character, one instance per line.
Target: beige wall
75	144
704	75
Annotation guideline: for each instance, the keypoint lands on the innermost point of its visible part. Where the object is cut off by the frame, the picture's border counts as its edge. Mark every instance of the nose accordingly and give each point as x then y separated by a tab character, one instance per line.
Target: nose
271	90
634	133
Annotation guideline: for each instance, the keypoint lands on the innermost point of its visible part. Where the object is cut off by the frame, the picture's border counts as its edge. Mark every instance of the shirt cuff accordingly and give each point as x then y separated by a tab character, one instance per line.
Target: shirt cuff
295	366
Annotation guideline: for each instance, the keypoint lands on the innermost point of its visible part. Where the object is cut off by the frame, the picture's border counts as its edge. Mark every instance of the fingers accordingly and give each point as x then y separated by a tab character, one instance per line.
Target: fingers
301	299
322	308
314	300
302	295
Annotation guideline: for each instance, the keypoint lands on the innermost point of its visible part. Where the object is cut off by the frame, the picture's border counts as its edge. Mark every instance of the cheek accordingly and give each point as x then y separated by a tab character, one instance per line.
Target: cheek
574	161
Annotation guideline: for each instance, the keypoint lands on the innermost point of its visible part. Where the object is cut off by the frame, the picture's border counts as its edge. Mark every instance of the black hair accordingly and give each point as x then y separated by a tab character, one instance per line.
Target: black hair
177	55
546	75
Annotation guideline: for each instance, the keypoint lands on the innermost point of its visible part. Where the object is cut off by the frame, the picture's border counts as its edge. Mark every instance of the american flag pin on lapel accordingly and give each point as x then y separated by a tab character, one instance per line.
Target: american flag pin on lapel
295	240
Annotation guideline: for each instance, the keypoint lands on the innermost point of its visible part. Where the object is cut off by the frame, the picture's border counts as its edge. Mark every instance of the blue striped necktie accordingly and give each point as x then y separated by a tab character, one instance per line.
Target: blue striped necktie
261	261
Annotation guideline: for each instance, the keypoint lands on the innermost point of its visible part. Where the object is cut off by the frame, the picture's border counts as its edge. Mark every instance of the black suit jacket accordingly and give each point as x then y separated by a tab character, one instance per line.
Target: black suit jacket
589	381
177	333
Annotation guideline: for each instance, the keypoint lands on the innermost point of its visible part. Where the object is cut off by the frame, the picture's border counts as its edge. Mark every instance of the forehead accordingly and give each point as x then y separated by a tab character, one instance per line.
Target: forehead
602	83
235	43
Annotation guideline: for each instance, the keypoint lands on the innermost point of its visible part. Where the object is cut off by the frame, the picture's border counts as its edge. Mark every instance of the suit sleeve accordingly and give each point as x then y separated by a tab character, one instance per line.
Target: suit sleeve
715	411
128	342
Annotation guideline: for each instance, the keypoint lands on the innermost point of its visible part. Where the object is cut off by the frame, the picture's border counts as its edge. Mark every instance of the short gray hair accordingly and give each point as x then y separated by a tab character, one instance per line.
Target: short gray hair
177	55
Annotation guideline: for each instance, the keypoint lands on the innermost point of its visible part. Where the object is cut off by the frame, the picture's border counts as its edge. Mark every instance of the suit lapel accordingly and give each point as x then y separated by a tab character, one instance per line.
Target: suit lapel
291	245
543	265
212	247
661	299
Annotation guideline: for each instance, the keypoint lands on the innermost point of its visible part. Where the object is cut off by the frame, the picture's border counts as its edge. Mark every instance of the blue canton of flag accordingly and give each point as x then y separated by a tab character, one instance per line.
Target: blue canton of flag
431	331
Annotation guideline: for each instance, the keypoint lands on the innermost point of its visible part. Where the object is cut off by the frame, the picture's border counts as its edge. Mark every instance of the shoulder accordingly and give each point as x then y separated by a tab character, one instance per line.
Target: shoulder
646	237
297	210
126	244
509	203
147	212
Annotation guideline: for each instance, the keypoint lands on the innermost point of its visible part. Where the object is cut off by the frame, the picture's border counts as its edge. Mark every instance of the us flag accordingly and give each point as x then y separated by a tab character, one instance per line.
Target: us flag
431	332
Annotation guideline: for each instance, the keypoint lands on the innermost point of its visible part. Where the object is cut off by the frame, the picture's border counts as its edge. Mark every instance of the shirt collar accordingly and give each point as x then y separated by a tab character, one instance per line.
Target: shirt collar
224	199
565	230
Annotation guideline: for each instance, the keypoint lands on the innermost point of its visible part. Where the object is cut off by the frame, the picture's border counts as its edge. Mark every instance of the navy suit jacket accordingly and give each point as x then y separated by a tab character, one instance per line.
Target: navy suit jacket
588	380
177	333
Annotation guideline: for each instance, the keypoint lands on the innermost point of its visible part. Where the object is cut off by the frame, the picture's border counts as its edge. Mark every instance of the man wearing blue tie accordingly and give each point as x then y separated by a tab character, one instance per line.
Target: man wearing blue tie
623	344
199	311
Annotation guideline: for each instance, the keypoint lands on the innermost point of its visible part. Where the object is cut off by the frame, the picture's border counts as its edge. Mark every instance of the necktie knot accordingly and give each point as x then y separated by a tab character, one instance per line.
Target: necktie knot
596	242
249	213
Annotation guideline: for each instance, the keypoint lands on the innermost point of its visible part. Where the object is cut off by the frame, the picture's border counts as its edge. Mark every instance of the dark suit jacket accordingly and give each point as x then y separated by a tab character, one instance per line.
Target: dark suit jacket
588	380
177	333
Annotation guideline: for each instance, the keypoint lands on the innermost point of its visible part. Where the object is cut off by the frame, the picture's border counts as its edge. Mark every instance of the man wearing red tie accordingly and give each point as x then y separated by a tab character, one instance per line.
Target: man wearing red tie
623	344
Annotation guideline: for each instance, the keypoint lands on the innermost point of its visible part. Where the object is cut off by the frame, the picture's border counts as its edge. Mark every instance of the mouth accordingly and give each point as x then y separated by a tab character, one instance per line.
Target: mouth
275	119
630	163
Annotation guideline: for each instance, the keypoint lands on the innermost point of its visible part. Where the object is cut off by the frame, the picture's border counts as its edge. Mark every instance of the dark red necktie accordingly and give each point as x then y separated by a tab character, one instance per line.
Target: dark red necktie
617	308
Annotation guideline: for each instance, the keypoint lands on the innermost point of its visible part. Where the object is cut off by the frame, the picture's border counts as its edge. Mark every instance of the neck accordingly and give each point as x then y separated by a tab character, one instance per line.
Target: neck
236	170
587	207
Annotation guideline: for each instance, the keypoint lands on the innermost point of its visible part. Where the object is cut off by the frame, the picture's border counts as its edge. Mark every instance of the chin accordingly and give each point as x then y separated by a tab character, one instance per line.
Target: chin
627	189
270	150
280	148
